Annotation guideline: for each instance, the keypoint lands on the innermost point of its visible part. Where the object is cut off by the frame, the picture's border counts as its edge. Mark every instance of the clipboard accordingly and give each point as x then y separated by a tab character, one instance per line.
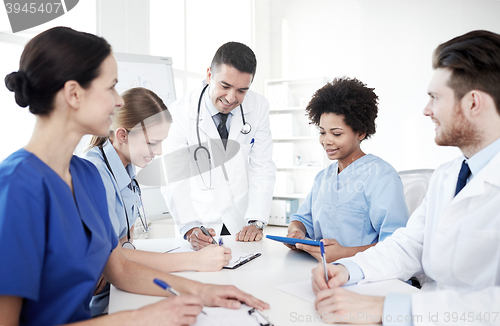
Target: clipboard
240	259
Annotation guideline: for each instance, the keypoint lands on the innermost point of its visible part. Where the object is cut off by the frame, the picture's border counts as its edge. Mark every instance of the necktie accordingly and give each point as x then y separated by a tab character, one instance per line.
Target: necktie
462	177
222	129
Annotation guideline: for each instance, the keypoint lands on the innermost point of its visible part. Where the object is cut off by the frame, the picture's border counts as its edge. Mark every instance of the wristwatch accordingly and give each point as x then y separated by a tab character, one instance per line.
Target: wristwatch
258	224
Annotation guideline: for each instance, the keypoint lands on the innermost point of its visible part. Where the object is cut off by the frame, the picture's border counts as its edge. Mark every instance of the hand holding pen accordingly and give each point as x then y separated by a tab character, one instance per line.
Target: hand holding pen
168	288
200	237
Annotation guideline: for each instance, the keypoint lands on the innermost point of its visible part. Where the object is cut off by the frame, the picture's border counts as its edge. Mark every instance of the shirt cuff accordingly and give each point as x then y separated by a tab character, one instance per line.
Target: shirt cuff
397	309
189	226
355	272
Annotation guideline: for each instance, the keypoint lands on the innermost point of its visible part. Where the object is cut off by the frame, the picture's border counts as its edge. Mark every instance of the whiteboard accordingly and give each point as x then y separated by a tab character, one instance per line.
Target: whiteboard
151	72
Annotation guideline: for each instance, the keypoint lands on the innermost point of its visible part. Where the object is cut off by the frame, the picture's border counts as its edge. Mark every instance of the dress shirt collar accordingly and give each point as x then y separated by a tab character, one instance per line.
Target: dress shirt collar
479	160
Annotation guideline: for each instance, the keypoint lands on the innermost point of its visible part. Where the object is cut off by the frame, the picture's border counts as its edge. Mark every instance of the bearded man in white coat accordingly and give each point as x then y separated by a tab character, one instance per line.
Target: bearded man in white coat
453	237
219	169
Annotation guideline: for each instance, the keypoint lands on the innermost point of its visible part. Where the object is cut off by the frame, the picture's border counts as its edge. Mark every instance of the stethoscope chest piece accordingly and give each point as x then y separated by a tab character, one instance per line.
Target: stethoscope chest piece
246	127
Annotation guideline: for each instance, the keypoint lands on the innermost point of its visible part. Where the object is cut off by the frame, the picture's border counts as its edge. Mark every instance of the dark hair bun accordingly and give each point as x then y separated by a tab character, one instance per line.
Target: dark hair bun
16	82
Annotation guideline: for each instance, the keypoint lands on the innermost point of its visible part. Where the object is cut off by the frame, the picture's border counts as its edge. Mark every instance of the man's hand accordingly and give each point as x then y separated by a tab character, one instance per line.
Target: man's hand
181	310
341	305
228	296
297	234
338	275
199	240
333	250
249	233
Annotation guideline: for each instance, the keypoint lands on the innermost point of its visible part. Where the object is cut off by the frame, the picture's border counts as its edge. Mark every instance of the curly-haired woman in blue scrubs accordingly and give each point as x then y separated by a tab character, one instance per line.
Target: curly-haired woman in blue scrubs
358	200
56	238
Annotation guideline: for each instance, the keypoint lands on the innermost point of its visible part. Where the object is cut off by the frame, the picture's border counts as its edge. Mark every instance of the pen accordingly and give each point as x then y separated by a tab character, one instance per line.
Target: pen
322	247
205	232
168	288
252	142
221	242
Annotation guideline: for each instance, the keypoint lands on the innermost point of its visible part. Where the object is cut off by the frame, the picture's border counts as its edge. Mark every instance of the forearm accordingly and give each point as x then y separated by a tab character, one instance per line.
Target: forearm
166	262
296	226
135	277
351	251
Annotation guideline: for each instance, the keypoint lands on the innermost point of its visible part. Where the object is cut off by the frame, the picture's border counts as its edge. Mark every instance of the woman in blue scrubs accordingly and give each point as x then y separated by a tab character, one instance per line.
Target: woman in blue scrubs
56	238
135	138
358	200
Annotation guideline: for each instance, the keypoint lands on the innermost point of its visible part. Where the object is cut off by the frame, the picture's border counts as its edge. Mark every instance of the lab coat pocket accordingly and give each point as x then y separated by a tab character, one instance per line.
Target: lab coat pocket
477	257
245	150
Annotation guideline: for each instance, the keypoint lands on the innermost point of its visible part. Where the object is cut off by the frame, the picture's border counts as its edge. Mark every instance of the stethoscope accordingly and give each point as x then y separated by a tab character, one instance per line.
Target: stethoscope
145	227
244	130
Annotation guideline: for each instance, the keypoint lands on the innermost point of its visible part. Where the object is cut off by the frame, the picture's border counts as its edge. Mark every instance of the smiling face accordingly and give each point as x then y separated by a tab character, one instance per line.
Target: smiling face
452	128
144	145
228	87
338	139
100	99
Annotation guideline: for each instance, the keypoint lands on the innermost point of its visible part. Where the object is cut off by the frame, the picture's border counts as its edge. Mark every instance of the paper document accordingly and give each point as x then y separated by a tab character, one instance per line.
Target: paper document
304	290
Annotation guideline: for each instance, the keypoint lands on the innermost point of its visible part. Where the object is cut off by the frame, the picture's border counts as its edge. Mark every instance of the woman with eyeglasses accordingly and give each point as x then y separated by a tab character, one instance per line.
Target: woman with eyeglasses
56	238
136	134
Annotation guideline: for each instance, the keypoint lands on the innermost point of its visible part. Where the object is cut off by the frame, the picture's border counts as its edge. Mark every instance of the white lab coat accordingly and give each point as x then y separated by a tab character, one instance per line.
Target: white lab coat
454	241
247	194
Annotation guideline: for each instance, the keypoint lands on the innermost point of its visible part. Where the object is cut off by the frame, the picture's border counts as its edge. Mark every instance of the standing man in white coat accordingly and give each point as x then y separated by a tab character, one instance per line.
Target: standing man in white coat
453	237
220	173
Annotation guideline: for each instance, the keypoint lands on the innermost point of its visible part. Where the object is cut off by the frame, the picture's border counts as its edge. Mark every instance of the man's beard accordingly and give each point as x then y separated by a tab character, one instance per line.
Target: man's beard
460	133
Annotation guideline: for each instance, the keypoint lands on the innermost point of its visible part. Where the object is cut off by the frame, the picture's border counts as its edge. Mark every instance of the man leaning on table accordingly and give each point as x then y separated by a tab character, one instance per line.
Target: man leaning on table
231	194
453	237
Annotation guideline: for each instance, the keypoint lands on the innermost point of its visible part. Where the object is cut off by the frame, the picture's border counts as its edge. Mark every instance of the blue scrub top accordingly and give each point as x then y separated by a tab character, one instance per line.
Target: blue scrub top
54	244
362	205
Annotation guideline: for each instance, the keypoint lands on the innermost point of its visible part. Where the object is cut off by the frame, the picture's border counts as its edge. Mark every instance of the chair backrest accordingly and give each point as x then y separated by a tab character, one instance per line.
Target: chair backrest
415	184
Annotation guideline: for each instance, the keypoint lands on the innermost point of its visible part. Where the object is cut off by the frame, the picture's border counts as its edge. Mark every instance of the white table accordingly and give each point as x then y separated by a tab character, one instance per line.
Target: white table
278	265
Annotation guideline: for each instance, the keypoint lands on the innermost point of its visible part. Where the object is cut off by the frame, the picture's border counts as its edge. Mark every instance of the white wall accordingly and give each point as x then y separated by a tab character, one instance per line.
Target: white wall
388	45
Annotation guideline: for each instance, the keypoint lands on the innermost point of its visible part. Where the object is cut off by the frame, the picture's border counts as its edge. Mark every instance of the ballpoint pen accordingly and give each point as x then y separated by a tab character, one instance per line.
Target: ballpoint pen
221	242
205	232
168	288
322	247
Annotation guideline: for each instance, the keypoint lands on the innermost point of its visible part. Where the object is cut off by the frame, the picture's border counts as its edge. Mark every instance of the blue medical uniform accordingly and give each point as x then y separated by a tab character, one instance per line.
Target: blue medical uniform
54	244
363	204
118	186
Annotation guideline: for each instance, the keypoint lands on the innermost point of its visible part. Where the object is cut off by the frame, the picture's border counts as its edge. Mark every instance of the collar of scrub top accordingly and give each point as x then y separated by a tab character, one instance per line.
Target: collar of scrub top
479	160
123	176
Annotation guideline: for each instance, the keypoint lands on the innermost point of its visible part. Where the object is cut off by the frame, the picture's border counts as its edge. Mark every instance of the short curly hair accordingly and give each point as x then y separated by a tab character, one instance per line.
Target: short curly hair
350	98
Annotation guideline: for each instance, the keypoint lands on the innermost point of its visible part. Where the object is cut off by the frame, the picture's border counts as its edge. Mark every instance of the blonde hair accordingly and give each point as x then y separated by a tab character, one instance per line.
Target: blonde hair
140	105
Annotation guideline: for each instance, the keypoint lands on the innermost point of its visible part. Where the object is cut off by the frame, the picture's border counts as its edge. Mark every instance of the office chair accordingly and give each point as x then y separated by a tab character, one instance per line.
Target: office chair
415	184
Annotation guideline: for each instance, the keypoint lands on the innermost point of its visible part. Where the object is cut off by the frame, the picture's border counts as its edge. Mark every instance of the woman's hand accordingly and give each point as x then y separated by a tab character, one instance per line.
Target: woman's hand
174	311
228	296
333	250
212	258
297	234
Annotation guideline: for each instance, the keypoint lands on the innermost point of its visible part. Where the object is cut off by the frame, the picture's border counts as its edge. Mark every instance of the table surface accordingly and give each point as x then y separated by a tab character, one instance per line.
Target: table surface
276	266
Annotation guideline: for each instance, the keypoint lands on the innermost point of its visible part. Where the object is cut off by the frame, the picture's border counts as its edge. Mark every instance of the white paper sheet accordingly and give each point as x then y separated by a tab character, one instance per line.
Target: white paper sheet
304	290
